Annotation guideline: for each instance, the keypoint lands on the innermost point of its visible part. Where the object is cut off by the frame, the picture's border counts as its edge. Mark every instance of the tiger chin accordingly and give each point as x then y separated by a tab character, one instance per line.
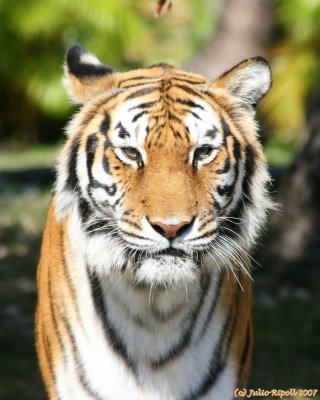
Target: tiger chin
144	278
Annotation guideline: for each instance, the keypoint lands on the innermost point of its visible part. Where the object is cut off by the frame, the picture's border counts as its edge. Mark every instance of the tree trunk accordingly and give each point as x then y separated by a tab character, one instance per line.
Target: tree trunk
244	30
292	247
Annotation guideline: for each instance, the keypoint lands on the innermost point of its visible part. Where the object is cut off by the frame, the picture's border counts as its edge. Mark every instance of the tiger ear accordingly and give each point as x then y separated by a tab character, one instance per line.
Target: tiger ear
250	80
84	74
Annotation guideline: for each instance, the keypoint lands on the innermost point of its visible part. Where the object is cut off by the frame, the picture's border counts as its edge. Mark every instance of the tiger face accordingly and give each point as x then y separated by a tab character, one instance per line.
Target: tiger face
163	174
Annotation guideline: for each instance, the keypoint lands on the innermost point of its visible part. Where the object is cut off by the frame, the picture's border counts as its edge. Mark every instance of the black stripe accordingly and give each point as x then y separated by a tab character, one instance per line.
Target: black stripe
143	106
216	205
206	223
84	209
130	234
225	127
246	348
194	114
219	357
225	190
229	189
189	90
232	227
140	77
95	227
69	282
185	339
105	124
189	103
131	223
80	370
137	116
226	167
207	234
213	306
48	353
111	190
211	133
142	92
190	81
123	133
236	149
91	146
109	330
72	181
54	319
114	205
250	165
105	161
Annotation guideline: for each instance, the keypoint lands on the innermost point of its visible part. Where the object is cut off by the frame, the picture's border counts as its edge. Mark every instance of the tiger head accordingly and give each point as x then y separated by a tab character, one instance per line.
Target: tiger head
163	173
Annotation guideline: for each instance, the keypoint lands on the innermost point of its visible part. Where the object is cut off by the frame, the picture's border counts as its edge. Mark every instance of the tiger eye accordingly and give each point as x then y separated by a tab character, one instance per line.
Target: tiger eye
131	153
203	152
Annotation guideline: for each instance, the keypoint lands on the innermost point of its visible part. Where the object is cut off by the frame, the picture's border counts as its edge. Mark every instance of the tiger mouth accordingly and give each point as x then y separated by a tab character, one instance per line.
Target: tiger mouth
171	252
141	256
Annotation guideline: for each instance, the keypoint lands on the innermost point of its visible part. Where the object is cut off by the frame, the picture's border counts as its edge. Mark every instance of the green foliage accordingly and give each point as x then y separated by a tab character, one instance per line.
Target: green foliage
295	64
34	36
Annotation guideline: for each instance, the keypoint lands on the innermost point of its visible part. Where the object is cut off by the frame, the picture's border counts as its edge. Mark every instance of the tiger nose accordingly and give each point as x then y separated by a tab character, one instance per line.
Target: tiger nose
171	231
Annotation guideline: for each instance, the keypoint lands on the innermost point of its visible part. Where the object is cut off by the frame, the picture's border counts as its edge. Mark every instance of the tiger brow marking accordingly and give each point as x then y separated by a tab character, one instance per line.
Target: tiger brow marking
142	92
139	85
189	90
141	77
189	103
144	105
138	116
189	81
123	133
211	133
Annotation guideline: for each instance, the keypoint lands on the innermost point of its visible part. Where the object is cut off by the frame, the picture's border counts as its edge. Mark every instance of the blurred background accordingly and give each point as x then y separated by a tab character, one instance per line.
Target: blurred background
205	36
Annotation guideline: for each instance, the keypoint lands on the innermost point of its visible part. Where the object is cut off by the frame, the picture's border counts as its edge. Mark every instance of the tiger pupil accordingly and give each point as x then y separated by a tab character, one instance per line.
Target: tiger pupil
131	153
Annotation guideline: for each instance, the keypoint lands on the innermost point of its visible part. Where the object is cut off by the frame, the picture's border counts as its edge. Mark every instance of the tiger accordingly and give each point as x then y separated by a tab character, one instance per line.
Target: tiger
144	280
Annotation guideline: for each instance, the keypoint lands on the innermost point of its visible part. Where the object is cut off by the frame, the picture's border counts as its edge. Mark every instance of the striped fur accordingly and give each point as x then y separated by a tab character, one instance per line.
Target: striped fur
126	310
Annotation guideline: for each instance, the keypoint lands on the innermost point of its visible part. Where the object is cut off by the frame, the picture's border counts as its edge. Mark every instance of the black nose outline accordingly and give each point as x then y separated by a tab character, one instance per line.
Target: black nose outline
179	232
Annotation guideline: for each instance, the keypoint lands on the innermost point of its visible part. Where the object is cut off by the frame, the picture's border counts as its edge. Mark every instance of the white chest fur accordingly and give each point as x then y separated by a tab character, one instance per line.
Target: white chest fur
136	342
